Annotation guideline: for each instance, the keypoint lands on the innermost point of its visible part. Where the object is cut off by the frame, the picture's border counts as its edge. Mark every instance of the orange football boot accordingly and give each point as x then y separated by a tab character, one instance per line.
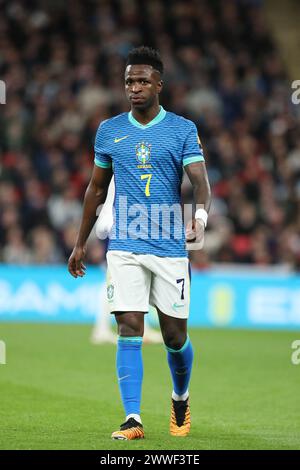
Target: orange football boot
180	422
130	430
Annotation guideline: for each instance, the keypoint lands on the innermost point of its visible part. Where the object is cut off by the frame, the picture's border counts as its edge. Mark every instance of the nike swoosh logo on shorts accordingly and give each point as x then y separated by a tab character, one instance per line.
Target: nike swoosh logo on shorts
177	306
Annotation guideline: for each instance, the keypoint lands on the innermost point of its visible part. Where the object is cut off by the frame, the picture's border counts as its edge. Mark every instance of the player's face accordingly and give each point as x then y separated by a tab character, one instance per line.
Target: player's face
142	85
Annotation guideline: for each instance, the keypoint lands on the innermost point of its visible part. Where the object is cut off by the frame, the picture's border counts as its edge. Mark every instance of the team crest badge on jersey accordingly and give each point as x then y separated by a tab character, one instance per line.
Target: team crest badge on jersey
110	292
143	154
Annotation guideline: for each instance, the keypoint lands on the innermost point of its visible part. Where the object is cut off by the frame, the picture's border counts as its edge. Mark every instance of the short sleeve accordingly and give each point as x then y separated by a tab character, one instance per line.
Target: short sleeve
192	149
102	158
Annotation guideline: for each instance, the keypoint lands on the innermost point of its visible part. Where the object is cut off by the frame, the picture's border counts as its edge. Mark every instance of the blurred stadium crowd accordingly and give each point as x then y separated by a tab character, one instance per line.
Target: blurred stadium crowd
63	64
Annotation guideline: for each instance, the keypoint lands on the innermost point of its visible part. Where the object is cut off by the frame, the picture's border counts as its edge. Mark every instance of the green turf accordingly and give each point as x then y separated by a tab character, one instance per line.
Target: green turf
57	391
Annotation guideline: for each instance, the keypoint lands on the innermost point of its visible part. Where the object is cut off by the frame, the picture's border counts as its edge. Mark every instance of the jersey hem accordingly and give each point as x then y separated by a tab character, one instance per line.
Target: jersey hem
147	253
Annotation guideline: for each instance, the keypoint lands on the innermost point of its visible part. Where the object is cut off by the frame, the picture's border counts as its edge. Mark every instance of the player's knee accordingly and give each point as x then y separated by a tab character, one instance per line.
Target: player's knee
174	340
130	325
130	330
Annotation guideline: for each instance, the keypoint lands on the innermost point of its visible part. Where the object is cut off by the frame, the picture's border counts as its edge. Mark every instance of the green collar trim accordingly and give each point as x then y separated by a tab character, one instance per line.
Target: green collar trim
159	117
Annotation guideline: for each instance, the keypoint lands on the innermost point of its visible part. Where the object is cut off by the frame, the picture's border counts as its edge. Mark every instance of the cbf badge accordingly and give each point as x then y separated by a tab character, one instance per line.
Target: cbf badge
143	154
110	292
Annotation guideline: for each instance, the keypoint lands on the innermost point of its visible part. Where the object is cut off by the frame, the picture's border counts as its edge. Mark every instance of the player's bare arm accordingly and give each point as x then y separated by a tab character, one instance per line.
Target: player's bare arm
94	196
202	198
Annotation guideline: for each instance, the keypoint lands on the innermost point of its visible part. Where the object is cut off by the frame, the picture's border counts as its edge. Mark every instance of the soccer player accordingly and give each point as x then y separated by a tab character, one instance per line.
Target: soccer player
147	148
102	331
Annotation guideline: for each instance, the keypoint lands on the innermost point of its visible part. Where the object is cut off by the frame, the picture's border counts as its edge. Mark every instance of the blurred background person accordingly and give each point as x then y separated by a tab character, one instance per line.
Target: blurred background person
63	65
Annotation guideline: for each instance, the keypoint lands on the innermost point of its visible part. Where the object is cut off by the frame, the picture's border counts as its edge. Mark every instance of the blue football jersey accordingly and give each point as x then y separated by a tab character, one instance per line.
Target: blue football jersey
148	163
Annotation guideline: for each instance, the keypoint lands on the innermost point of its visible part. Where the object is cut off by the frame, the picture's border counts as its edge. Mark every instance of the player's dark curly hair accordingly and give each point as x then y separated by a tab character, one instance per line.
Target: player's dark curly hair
145	55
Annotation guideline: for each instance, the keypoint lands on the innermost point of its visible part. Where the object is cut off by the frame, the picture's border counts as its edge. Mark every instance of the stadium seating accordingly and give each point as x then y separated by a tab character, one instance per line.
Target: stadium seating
63	65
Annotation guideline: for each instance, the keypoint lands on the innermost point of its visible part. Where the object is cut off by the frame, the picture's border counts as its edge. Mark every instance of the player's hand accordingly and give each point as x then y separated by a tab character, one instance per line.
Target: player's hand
194	234
75	263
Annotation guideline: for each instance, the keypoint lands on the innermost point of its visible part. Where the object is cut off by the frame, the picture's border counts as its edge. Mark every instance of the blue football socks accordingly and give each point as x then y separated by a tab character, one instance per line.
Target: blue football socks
130	372
180	363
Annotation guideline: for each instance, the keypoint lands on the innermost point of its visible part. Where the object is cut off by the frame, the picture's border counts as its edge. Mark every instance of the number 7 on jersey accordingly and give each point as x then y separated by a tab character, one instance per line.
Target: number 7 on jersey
147	188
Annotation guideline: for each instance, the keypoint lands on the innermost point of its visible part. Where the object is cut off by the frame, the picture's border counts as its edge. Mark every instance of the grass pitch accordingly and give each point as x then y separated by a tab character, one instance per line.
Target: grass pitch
57	391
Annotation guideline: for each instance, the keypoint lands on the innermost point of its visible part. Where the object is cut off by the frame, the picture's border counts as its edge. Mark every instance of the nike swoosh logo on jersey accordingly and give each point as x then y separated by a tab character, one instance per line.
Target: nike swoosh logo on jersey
121	138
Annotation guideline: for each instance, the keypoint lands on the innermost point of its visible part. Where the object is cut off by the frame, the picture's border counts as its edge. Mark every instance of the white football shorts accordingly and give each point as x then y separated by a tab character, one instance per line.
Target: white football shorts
135	281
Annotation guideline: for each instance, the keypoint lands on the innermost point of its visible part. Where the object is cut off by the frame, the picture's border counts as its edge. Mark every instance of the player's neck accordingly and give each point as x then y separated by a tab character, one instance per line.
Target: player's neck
144	116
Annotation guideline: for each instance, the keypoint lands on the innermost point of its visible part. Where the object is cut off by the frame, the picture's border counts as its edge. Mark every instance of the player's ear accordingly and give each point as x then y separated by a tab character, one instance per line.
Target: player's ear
159	86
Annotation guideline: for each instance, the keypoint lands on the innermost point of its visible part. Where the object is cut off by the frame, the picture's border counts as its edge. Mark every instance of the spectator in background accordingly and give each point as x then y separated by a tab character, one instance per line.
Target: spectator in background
62	66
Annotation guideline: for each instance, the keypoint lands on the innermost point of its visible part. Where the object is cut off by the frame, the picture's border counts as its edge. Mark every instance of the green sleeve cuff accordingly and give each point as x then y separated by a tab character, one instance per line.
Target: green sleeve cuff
102	164
193	159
